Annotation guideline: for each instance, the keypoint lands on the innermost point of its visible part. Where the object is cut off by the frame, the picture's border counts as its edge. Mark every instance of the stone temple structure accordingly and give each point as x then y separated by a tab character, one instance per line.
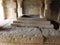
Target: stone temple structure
30	22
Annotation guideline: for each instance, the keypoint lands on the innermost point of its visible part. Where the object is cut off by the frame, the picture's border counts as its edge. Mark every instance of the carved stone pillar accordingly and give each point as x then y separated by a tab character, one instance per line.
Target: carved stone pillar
9	9
58	16
47	9
5	13
41	9
19	2
1	11
13	11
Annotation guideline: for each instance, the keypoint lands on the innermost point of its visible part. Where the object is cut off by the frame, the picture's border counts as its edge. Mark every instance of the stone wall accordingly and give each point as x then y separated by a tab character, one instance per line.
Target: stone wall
31	7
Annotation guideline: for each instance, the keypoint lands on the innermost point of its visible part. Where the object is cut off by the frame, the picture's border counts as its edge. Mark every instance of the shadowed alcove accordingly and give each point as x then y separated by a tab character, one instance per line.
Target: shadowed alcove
54	7
31	7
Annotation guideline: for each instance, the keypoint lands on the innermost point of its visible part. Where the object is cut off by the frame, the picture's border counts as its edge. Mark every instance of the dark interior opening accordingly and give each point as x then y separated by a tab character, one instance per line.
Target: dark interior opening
56	24
54	7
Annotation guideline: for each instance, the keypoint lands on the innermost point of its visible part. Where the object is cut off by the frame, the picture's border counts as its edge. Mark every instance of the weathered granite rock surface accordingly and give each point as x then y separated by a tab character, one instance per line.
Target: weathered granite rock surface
30	31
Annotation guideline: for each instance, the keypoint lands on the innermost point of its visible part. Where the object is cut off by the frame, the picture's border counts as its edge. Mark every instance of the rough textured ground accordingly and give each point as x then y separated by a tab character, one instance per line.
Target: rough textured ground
16	34
30	31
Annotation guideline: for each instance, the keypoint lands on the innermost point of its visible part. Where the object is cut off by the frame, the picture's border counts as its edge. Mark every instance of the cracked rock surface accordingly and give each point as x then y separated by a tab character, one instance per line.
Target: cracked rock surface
30	31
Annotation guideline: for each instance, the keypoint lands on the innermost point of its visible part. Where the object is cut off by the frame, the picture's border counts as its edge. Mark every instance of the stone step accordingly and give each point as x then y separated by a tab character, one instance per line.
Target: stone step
31	19
32	25
32	22
6	43
10	39
52	40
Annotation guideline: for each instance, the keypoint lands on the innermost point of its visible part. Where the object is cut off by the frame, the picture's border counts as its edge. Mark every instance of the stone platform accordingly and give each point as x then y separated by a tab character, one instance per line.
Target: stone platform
30	31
